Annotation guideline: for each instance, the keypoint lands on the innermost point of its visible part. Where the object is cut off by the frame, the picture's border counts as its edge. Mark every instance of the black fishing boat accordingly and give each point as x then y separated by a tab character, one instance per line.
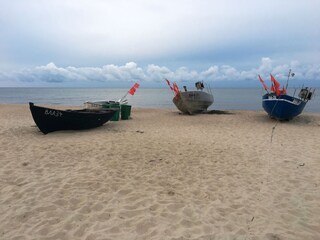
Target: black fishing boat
50	120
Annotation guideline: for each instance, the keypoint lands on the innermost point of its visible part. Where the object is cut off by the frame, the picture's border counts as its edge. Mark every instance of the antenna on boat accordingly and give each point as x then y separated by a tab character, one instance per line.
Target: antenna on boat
209	88
289	75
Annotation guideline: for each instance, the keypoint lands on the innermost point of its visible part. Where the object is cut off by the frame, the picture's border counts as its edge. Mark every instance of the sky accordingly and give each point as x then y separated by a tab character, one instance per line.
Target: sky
110	43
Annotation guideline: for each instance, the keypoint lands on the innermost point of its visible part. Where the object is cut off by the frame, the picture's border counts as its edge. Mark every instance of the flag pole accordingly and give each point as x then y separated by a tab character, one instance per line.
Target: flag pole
121	99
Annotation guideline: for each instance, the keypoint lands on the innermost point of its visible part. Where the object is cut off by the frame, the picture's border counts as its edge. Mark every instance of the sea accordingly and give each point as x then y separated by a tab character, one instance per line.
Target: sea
224	98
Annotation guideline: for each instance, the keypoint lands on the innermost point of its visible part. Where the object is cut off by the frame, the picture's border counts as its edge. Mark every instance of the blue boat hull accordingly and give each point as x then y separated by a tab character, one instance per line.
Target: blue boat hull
283	107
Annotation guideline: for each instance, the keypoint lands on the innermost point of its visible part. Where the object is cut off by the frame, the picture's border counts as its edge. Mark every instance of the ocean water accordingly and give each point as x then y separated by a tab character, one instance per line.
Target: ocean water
224	98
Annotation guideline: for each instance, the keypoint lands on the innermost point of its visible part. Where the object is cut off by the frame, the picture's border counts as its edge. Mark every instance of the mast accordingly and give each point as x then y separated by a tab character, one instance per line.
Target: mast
289	75
288	78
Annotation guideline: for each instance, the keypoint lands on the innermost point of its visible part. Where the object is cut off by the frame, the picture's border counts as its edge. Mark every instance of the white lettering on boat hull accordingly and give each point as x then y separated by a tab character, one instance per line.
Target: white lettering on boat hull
53	113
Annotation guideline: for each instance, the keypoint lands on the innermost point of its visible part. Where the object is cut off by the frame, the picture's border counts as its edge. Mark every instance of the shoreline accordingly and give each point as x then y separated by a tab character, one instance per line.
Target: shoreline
174	109
161	175
225	99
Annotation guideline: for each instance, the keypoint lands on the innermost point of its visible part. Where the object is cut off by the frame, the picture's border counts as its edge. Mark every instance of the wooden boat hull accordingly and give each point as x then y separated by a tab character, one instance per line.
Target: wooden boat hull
284	107
192	102
50	120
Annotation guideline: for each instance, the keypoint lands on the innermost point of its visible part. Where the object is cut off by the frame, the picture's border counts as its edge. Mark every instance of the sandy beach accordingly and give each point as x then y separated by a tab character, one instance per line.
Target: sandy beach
161	175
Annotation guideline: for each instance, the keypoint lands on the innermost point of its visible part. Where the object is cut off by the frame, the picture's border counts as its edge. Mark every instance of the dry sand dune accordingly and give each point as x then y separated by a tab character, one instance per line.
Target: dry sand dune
161	175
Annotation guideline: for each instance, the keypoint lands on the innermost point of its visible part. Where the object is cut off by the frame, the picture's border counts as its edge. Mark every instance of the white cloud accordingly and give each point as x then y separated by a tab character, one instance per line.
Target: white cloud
266	65
52	75
211	72
313	72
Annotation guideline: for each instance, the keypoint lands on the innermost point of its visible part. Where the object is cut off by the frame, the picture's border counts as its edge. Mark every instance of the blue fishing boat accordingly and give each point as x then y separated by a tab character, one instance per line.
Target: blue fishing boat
281	106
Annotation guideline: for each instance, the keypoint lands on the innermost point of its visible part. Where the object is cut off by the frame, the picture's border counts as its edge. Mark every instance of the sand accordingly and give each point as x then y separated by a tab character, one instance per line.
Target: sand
161	175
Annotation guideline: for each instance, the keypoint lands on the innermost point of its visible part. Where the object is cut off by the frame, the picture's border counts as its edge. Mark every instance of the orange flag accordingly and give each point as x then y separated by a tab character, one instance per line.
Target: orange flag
276	84
283	91
264	85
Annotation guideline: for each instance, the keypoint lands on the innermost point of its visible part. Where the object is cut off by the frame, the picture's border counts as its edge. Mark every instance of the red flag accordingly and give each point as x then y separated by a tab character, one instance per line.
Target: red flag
264	85
176	89
133	89
276	84
169	84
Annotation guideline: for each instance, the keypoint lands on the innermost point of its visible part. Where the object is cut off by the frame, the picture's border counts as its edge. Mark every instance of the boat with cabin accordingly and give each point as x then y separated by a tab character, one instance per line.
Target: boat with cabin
192	102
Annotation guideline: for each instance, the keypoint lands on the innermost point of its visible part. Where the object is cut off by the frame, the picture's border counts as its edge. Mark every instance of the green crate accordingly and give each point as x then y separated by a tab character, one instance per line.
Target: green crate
116	116
125	112
114	106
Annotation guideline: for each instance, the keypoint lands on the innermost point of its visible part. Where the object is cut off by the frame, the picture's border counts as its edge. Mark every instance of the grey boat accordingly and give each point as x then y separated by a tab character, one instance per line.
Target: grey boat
192	102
